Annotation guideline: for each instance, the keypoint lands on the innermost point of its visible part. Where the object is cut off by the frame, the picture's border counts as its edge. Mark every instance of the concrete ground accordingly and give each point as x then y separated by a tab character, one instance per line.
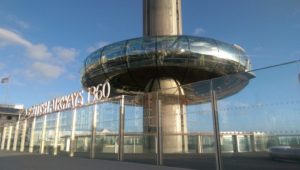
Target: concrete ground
25	161
242	161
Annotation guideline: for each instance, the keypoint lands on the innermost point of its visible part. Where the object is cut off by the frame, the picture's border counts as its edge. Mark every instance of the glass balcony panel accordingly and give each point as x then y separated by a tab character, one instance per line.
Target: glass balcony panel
262	119
38	134
187	126
107	130
50	133
20	133
1	134
64	134
140	130
83	131
28	135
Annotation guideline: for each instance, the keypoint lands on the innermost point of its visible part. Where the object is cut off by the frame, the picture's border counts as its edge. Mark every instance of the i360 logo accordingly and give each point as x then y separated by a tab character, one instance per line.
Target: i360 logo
97	93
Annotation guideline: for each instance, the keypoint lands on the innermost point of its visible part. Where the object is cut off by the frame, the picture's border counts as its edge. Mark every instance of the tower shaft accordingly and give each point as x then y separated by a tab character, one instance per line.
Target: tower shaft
162	17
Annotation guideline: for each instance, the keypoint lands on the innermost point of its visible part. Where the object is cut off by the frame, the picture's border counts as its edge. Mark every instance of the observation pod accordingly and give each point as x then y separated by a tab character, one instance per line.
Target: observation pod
131	64
165	63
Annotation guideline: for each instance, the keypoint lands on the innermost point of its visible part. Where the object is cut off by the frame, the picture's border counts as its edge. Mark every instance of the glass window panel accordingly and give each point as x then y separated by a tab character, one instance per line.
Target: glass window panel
141	52
227	51
203	46
5	135
83	131
114	50
38	134
1	135
20	133
64	135
107	130
113	59
93	58
140	136
204	53
187	126
133	118
50	133
28	135
12	136
172	51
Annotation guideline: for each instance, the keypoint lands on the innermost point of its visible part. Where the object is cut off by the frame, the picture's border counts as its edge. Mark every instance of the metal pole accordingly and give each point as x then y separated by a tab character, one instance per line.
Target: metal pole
23	136
56	134
199	144
73	128
235	143
3	138
42	144
32	135
16	136
9	137
1	131
17	133
183	122
252	141
134	143
159	133
121	130
214	106
94	126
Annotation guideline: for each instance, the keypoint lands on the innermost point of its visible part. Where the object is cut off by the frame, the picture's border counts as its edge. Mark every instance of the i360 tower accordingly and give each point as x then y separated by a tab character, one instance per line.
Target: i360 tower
164	60
162	17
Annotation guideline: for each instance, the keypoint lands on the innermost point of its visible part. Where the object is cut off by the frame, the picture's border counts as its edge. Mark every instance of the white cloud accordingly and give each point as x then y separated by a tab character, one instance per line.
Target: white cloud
23	24
18	22
258	49
43	70
96	46
296	54
72	77
67	54
35	51
46	64
8	37
2	66
3	43
199	31
38	52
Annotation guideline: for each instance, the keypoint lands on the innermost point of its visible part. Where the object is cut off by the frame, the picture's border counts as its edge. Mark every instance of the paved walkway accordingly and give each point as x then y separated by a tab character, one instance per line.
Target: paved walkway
243	161
25	161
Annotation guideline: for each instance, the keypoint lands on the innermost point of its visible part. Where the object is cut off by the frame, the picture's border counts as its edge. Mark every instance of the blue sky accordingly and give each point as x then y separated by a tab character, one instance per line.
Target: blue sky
43	43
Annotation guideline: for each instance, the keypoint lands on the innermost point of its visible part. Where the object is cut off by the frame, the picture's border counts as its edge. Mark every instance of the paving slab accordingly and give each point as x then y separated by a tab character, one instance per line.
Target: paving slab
26	161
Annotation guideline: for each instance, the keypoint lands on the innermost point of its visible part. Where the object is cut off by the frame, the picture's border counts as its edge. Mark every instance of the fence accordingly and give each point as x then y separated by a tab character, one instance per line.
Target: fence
195	125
